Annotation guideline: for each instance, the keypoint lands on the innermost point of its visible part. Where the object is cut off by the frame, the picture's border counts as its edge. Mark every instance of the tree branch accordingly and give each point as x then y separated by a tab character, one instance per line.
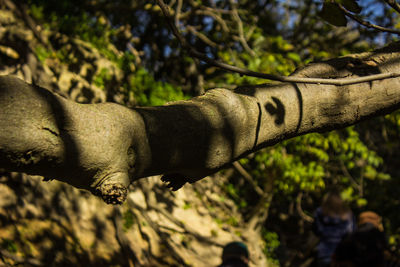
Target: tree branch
248	177
366	23
194	53
299	209
105	147
239	23
394	5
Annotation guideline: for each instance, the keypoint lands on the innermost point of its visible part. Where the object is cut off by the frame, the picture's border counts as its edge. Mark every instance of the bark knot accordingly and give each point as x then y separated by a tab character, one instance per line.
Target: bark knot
113	189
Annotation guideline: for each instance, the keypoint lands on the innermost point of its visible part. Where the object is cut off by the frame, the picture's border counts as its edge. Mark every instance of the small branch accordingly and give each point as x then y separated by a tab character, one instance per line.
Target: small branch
347	173
218	18
250	32
366	23
178	13
260	212
247	177
300	209
394	5
239	22
194	53
201	36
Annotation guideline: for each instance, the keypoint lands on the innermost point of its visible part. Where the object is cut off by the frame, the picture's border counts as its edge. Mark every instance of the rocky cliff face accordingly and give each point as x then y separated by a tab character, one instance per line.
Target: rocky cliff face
53	224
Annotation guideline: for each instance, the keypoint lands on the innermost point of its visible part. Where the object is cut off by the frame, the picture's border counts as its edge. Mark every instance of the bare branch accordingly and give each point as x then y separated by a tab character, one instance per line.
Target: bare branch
247	177
178	12
347	173
194	53
300	209
394	5
218	18
367	23
239	22
201	36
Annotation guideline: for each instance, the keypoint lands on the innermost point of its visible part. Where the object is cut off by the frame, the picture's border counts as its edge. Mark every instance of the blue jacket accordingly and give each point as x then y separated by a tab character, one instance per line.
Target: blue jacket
330	230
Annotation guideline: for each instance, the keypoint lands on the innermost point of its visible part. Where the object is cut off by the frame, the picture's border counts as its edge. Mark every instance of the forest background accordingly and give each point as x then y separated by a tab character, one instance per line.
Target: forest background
123	51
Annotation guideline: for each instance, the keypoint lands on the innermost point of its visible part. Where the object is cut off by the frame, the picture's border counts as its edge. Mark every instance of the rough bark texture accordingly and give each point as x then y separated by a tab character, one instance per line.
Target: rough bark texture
54	224
104	147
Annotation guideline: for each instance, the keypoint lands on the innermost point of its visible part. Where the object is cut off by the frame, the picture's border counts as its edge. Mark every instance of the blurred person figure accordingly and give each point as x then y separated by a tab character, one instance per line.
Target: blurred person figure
363	248
332	220
235	254
367	246
371	218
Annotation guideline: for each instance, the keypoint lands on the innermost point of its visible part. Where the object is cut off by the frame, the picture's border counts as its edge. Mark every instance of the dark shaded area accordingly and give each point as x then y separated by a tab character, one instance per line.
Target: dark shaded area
49	165
257	132
187	129
277	110
300	100
47	225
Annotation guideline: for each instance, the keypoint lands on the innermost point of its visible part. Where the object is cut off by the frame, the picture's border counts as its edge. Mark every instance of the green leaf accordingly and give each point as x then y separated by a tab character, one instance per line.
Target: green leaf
332	13
351	5
361	202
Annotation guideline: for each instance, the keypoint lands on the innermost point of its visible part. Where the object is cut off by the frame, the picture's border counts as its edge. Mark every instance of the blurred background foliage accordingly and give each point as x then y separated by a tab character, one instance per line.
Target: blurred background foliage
285	183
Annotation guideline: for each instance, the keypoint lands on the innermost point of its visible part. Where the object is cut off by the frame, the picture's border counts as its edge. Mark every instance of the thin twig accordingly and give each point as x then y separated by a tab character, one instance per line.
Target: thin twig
394	5
300	209
178	13
367	23
201	36
218	18
239	23
351	178
248	177
194	53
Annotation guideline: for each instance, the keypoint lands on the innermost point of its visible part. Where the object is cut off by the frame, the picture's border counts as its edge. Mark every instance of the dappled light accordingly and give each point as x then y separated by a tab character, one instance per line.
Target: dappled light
199	133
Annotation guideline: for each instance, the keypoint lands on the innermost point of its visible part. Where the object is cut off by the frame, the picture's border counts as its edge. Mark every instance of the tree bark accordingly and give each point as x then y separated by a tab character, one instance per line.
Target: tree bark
104	147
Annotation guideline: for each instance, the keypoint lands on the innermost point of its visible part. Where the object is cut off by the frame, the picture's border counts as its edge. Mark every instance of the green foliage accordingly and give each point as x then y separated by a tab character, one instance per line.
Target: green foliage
308	163
125	62
42	53
280	59
9	245
63	55
214	233
271	240
128	219
66	17
149	92
187	205
102	78
232	221
235	194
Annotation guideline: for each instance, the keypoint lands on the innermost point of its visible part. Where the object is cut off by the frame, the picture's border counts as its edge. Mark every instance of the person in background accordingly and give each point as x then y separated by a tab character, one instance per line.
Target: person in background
332	220
371	218
363	248
235	254
367	246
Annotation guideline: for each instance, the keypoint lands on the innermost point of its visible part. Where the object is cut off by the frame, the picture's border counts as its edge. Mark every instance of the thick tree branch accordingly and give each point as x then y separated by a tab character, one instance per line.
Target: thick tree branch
104	147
